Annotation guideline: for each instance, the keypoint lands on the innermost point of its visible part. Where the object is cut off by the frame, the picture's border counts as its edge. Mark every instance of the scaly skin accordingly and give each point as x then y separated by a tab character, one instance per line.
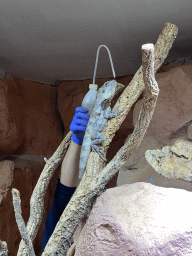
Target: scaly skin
99	117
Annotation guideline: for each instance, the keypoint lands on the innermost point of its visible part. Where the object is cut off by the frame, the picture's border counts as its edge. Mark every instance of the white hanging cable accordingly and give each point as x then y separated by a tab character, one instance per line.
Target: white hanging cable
97	62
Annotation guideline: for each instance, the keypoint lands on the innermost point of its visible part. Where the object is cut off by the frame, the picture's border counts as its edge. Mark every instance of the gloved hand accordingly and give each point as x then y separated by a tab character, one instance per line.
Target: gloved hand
78	125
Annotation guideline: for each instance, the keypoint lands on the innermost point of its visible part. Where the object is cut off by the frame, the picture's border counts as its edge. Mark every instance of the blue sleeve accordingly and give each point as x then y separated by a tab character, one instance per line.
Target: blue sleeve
61	198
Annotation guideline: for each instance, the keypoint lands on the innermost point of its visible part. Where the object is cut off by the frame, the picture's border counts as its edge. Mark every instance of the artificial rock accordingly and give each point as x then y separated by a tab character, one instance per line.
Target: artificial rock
138	219
173	162
171	120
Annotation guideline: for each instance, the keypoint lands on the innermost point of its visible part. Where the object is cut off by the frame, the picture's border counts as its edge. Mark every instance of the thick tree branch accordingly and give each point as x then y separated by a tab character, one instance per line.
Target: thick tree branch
136	86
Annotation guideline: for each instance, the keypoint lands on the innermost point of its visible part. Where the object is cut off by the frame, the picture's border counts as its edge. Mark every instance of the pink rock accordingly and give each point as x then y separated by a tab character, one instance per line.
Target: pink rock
138	219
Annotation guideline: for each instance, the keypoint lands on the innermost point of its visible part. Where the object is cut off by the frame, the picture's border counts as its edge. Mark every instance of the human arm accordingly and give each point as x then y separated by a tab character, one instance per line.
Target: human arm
69	171
68	175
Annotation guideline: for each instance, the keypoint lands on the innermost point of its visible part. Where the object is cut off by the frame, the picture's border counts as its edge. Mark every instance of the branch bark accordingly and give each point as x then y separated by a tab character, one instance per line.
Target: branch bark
38	195
136	86
3	248
20	221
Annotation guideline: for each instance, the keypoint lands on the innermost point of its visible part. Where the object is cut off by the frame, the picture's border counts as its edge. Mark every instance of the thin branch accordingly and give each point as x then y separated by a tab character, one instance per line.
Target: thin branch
20	221
3	248
37	198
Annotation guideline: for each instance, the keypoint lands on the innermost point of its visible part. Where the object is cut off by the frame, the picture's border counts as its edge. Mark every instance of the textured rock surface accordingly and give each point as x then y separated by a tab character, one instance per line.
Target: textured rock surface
6	177
172	120
173	162
28	112
138	219
11	120
189	132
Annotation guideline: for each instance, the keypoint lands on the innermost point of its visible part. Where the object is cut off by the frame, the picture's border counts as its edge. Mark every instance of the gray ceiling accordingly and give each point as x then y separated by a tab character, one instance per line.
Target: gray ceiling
49	40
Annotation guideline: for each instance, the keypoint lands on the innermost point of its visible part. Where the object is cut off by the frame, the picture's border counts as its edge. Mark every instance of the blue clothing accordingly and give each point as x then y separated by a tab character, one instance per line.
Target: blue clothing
61	198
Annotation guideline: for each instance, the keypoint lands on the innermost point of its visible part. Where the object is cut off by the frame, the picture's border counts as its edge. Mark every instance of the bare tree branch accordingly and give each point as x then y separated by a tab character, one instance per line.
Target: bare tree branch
3	248
38	195
136	86
20	221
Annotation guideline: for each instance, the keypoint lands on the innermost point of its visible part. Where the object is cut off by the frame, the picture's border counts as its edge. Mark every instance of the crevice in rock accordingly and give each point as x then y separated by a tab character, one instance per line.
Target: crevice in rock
180	156
181	131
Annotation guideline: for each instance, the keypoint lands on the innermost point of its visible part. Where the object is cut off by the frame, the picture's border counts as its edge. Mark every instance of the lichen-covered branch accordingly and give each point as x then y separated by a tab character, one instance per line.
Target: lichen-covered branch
136	86
38	195
81	200
20	221
146	112
3	248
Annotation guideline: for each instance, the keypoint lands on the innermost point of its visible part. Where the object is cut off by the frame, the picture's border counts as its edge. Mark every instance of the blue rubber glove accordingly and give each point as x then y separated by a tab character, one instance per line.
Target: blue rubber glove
78	125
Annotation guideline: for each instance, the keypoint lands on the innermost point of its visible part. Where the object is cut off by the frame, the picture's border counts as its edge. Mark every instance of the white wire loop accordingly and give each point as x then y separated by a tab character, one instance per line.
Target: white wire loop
97	62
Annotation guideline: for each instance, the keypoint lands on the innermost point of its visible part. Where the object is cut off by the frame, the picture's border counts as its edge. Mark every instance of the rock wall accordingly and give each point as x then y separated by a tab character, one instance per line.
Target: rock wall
138	219
172	120
31	128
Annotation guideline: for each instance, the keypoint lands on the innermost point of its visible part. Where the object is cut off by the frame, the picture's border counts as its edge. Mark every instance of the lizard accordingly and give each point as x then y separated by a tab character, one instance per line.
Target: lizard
98	118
